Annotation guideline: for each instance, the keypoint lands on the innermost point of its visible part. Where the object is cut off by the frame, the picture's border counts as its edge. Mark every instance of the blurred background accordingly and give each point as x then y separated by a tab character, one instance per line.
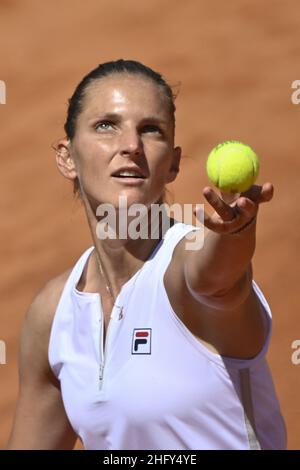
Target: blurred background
233	64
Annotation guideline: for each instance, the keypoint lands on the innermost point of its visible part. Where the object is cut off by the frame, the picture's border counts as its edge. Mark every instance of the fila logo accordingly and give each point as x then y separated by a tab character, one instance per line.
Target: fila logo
141	341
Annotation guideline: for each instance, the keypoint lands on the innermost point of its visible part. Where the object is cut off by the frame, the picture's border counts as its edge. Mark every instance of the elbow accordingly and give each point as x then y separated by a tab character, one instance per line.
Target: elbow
226	299
233	298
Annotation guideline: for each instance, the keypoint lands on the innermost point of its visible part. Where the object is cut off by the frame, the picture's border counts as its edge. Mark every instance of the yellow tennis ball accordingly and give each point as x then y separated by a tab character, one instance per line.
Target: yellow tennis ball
232	166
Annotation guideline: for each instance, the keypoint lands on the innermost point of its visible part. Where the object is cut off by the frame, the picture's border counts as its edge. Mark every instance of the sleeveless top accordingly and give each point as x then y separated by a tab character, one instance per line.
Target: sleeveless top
154	385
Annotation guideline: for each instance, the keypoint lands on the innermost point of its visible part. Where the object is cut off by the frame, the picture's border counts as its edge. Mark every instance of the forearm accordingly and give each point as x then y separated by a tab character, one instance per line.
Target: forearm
222	262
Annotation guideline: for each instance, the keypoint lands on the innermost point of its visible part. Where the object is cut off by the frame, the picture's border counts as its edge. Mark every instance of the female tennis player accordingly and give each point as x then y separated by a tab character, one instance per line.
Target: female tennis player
144	344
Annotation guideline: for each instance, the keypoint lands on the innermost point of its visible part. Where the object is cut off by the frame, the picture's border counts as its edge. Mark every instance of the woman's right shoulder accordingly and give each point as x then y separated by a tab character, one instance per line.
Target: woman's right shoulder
40	314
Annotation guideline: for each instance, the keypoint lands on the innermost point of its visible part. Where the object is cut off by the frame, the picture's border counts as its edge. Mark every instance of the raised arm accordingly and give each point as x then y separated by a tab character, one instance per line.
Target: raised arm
211	289
40	419
222	269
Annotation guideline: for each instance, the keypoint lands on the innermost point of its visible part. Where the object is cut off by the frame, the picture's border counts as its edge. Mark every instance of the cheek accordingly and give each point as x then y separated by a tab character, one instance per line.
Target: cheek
161	163
157	152
92	157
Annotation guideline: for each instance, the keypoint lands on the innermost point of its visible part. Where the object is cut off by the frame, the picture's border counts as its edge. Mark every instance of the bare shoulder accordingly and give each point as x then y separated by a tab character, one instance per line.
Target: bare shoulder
42	309
39	317
174	279
174	275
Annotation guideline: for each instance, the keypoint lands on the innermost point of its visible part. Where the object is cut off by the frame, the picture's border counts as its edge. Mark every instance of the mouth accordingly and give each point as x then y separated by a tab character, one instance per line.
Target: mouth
129	180
129	175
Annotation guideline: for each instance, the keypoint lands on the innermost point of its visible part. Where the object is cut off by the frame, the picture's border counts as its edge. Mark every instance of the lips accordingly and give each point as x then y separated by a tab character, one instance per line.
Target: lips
135	172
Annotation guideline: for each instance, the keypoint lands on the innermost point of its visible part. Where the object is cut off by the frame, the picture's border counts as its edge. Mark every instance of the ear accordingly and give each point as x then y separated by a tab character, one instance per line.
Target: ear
64	160
174	168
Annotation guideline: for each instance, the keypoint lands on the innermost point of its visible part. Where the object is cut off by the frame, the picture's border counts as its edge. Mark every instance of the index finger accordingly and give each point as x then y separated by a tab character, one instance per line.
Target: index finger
225	211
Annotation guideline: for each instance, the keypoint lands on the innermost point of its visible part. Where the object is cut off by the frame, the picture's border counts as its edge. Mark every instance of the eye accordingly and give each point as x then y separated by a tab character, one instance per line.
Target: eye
152	128
103	125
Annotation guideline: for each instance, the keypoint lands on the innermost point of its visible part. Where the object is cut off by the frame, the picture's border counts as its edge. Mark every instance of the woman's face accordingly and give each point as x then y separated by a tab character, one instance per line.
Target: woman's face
125	122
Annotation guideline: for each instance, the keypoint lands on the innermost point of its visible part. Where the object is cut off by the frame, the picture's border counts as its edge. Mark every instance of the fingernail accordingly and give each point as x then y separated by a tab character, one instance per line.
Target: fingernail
243	203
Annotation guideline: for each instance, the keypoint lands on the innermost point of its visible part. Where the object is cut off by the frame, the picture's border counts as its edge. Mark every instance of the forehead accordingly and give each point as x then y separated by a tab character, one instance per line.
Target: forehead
125	93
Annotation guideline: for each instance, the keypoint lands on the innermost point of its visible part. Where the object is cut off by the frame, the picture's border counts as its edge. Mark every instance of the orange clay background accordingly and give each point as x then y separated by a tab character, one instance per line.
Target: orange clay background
235	61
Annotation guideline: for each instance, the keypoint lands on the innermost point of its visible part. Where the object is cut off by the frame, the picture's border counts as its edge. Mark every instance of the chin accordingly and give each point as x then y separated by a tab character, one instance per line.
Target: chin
128	198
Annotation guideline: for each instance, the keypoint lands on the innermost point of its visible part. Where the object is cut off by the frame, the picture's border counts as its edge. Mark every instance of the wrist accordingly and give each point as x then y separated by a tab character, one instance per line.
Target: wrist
245	227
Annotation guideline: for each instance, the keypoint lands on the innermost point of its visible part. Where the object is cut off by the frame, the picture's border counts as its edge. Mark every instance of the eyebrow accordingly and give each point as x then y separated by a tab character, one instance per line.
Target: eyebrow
117	117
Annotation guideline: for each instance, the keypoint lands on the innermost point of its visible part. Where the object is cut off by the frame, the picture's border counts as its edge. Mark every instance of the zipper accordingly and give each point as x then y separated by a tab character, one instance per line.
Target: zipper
103	352
103	348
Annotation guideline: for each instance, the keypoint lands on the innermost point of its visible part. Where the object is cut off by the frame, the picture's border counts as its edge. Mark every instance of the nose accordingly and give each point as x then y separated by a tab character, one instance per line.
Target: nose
130	143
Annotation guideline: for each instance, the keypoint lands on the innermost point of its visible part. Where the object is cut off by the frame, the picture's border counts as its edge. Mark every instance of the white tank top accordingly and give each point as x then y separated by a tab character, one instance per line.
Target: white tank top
155	385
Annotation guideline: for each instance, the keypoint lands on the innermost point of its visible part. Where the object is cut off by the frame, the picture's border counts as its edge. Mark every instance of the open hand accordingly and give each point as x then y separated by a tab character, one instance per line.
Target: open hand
235	211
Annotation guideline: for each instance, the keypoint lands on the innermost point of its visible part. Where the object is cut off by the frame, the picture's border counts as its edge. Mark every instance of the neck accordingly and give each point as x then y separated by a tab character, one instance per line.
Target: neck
121	258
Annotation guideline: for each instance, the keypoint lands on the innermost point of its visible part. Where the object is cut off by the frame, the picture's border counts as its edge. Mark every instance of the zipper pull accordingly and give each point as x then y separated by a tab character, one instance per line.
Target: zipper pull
101	370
